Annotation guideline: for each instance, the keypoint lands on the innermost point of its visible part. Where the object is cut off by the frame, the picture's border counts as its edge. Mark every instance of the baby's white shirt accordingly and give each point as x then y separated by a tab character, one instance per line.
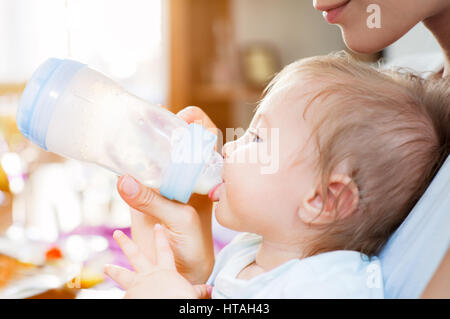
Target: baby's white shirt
336	274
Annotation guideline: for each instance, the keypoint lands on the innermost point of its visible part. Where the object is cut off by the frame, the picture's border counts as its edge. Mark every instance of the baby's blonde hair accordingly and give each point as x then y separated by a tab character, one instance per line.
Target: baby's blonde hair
390	128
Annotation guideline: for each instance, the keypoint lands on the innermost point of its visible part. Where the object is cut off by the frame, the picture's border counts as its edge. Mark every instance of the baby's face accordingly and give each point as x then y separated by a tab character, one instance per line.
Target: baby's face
269	170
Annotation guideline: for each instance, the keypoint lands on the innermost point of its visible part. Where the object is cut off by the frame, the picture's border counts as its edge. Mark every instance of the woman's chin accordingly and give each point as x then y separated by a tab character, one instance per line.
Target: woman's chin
357	45
369	41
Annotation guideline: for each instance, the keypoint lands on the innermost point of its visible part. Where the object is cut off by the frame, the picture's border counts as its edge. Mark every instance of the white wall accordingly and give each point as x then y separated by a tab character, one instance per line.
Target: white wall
293	26
418	40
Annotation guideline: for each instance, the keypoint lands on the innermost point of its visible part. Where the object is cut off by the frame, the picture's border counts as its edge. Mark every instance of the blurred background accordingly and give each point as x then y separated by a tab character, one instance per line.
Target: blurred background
216	54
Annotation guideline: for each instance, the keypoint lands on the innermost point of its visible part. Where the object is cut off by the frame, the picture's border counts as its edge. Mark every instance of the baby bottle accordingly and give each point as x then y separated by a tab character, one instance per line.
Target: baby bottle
72	110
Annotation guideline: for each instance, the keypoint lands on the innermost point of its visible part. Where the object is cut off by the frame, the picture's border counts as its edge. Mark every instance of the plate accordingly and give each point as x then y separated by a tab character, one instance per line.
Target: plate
42	276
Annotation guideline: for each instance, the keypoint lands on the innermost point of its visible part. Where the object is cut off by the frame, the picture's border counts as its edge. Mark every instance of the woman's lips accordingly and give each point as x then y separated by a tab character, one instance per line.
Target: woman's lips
215	192
332	13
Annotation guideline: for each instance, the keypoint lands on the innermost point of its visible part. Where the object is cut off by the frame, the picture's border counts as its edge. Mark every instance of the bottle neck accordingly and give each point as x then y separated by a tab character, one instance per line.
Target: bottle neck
191	150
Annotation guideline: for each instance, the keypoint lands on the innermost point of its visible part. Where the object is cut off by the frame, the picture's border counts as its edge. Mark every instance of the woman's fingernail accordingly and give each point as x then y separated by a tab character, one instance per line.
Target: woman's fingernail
117	233
129	186
158	227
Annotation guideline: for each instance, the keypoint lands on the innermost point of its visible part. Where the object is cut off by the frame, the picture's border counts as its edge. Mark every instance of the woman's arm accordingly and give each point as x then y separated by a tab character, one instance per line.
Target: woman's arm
439	285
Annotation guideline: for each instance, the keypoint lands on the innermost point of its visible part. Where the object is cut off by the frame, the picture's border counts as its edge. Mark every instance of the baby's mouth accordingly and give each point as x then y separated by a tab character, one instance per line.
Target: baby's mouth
215	192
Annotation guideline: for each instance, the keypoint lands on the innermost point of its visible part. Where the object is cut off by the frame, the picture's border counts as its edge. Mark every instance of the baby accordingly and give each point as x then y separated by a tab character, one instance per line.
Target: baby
355	149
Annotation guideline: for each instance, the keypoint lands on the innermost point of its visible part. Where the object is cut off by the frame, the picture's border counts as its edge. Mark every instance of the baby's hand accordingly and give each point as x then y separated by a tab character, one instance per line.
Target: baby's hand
157	279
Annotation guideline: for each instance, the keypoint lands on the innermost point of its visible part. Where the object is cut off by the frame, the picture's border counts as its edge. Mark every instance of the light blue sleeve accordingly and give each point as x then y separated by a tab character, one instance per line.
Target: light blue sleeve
336	275
416	249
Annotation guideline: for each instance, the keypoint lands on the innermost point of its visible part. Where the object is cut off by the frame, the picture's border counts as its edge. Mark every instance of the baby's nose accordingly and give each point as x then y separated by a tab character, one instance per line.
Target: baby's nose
226	149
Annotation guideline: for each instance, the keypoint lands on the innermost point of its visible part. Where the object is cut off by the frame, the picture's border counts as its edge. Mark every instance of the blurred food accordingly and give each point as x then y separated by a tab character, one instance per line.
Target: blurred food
11	268
4	185
28	268
90	277
53	253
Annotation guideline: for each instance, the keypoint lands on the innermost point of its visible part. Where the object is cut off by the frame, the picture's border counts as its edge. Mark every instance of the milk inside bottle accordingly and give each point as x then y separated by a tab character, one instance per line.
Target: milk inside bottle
77	112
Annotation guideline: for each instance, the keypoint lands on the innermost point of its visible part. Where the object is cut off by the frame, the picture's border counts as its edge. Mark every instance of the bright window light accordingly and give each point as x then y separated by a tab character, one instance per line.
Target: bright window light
121	38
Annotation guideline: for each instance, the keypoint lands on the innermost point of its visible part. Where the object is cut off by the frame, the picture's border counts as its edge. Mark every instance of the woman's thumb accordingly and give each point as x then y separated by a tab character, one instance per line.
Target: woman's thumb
203	291
148	201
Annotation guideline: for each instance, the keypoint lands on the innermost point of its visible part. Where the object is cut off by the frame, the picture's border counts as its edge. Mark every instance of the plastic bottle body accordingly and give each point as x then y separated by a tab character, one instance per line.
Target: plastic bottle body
95	120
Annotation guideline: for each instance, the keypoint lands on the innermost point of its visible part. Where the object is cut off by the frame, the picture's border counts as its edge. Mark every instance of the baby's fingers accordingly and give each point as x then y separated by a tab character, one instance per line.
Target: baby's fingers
203	291
137	259
122	276
164	254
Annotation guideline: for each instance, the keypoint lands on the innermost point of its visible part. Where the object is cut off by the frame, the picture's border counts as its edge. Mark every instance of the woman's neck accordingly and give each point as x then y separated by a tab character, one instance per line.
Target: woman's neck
440	27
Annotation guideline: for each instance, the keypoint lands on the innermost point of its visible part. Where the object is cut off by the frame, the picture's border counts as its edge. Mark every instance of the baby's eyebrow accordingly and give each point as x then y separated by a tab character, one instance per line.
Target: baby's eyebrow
261	117
265	118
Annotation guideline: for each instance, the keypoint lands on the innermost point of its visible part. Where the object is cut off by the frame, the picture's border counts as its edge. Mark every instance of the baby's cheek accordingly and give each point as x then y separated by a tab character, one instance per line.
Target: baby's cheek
241	177
237	191
247	194
239	186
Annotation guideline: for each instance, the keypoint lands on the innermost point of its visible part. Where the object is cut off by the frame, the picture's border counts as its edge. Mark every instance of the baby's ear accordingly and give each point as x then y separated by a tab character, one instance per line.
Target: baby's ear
341	201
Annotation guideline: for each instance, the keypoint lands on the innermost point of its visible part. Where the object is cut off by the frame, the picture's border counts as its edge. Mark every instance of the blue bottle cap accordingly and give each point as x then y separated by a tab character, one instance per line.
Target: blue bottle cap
39	98
189	155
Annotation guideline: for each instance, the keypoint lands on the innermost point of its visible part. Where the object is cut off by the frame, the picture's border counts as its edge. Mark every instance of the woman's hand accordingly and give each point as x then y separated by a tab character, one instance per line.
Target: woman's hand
188	229
153	279
195	114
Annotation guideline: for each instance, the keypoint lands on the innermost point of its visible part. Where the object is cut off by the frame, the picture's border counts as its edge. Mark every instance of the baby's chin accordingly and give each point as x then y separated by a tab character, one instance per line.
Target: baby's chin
225	217
223	213
220	207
